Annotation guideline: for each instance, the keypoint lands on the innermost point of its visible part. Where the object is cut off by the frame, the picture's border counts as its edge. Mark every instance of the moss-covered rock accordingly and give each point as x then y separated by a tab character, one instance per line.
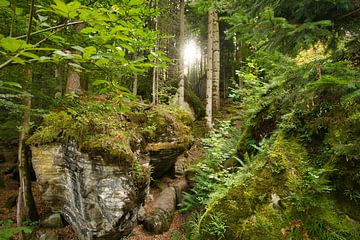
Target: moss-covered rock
276	197
92	160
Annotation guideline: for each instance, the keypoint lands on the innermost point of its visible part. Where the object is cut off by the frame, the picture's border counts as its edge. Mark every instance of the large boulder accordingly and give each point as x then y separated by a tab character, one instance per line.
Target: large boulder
93	163
98	198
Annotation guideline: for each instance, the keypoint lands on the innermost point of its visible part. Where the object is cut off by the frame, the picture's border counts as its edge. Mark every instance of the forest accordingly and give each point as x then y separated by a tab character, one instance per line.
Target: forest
180	119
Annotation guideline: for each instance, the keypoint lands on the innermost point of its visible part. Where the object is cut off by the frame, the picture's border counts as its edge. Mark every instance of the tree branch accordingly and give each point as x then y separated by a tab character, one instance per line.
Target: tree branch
51	28
350	13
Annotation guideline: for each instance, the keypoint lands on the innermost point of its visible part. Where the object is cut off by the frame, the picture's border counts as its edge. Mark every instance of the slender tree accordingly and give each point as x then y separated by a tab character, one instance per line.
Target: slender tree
26	208
209	81
181	54
216	62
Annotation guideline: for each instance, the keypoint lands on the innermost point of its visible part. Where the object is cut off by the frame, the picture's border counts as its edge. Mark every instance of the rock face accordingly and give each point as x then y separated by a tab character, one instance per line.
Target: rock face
99	199
93	163
163	157
159	220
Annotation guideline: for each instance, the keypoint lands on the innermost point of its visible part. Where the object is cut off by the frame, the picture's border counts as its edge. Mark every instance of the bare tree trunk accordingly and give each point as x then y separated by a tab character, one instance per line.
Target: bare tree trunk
26	204
135	85
73	83
181	54
155	85
26	208
209	80
216	63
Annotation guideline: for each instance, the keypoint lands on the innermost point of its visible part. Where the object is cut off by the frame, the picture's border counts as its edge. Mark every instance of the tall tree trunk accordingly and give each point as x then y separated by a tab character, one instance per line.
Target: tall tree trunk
26	204
216	63
181	54
26	208
135	85
58	78
209	79
73	83
155	83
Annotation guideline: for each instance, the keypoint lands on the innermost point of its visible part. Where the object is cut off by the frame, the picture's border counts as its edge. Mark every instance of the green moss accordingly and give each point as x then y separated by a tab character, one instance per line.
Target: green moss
280	197
195	102
100	127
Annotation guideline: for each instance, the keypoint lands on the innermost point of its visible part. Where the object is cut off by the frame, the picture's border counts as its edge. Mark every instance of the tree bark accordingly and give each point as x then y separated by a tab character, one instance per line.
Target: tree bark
26	208
26	204
216	63
155	85
181	54
135	85
209	79
73	83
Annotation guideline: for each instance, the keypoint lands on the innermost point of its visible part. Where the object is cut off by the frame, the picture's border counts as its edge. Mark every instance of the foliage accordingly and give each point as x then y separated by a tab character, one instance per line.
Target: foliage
7	230
212	171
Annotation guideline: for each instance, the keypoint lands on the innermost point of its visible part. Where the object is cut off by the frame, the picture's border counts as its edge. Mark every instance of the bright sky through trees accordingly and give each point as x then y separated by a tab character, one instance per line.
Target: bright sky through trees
192	54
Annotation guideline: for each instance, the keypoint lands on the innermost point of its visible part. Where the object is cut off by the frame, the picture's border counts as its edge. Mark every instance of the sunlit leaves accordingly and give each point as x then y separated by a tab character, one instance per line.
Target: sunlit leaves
12	45
4	3
69	10
88	52
135	2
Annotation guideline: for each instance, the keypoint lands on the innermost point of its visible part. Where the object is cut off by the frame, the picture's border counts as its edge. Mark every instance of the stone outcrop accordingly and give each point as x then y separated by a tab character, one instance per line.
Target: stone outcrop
95	169
100	200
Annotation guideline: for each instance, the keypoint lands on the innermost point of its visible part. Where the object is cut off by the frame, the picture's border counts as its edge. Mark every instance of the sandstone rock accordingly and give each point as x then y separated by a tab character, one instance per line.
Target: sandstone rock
53	221
141	214
98	198
180	186
163	157
47	235
159	220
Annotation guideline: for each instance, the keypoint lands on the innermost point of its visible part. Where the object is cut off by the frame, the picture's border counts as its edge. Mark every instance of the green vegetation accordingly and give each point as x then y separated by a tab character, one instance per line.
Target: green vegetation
284	164
7	230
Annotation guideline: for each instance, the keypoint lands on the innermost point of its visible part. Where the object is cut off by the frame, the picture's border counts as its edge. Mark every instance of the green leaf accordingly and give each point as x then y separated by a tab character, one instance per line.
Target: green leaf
12	84
135	2
102	61
19	11
12	45
99	82
88	52
76	66
30	55
81	49
4	3
19	60
88	30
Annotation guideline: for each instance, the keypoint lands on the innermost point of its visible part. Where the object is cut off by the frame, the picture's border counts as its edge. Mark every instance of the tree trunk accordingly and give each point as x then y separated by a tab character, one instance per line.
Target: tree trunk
26	204
26	208
155	85
135	85
181	54
73	83
216	63
209	79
